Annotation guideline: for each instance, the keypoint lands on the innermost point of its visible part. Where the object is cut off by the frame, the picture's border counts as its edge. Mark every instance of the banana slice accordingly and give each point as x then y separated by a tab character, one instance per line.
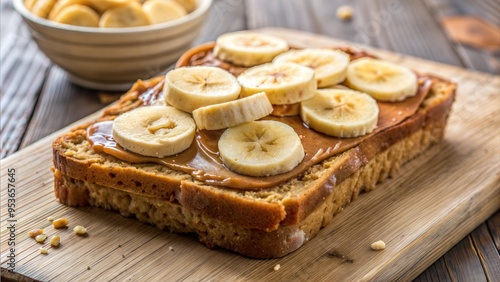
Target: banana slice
232	113
340	113
383	80
189	88
329	65
41	8
128	15
188	5
78	15
163	11
154	131
284	83
248	49
102	6
29	4
261	148
61	4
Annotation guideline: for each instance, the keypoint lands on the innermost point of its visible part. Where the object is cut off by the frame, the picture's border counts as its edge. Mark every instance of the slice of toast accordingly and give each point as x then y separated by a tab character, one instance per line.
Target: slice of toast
260	223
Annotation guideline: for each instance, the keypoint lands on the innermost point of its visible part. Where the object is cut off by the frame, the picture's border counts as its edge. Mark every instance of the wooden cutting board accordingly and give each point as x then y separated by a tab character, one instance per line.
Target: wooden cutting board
435	201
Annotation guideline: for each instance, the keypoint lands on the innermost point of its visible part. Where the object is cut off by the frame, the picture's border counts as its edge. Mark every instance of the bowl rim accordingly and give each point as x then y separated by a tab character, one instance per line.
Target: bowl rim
203	7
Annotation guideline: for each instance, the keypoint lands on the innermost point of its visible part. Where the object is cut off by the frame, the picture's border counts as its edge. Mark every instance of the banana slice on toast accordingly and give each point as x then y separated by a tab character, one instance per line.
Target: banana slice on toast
189	88
283	82
261	148
233	113
329	65
246	48
384	81
154	131
340	113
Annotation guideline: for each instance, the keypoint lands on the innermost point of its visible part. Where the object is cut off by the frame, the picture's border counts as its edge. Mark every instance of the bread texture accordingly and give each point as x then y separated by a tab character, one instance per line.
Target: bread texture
263	223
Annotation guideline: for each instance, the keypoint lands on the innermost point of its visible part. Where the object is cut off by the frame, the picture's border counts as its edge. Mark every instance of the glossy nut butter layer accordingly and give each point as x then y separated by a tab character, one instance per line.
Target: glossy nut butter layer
201	159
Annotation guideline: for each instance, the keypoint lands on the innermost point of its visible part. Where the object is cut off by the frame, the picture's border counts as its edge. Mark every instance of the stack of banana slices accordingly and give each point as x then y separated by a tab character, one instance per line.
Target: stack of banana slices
210	98
110	13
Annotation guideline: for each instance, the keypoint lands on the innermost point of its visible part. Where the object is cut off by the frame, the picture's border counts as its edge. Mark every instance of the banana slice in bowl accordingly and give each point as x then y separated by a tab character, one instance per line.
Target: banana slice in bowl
340	113
77	14
248	49
283	82
41	8
127	15
384	81
103	5
329	65
233	113
261	148
163	11
154	131
61	4
189	88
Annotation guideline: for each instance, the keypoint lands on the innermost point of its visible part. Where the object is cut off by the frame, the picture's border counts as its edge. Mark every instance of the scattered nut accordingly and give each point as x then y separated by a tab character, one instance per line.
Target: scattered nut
277	267
80	230
344	12
50	218
377	246
55	240
60	223
40	238
36	232
43	251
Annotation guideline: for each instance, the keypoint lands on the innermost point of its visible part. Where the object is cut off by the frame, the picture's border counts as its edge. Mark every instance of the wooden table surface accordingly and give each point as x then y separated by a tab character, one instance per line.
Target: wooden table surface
38	99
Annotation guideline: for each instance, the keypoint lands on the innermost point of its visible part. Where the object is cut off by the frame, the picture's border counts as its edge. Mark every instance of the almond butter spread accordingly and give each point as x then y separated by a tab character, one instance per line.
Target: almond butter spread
201	159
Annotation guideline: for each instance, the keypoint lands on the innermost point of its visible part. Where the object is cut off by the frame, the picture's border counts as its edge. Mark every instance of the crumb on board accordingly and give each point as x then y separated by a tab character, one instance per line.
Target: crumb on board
88	267
378	245
51	218
40	238
170	248
55	241
60	223
277	267
80	230
43	251
36	232
344	12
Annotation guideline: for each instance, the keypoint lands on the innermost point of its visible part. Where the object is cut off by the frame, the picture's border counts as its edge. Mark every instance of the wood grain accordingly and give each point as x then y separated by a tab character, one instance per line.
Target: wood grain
59	93
490	260
434	202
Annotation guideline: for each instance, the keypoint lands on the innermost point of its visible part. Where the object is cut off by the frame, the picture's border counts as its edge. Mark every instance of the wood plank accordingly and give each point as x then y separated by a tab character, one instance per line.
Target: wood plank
316	16
420	214
437	272
463	263
488	254
405	27
475	59
23	69
60	104
224	16
494	229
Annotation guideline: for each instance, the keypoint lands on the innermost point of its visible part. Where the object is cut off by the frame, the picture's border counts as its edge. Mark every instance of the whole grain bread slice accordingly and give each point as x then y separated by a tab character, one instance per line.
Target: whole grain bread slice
264	223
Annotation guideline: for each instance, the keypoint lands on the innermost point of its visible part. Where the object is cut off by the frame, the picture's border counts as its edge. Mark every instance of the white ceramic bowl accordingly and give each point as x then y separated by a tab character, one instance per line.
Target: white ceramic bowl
114	58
